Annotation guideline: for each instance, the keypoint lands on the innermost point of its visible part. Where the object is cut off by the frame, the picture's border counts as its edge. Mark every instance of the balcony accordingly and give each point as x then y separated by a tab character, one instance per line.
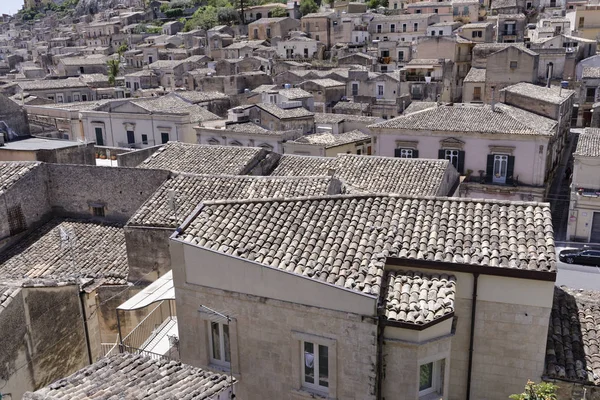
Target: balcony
157	334
419	78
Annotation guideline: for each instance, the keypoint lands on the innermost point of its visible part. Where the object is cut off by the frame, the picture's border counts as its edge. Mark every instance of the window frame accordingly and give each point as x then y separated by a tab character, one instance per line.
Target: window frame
437	380
501	159
222	360
298	339
406	152
316	386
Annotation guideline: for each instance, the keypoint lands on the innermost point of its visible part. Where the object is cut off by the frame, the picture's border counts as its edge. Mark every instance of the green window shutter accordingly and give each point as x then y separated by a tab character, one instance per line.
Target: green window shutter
510	170
461	162
397	152
489	171
441	154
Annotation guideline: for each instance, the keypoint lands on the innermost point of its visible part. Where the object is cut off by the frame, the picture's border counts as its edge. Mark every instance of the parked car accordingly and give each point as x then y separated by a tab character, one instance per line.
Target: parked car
585	256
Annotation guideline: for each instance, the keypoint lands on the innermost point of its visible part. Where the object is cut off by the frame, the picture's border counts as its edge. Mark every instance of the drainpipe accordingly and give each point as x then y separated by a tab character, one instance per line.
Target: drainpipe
85	327
472	337
380	329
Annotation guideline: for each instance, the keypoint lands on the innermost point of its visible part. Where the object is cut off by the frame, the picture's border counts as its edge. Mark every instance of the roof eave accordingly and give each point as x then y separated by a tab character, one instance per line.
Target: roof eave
549	276
418	327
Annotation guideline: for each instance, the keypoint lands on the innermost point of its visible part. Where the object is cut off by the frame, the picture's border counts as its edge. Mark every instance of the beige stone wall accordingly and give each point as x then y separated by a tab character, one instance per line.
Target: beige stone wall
401	365
265	355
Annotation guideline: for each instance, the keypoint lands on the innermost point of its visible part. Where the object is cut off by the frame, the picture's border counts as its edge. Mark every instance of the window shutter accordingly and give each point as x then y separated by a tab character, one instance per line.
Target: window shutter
489	171
415	154
461	162
397	152
441	154
510	170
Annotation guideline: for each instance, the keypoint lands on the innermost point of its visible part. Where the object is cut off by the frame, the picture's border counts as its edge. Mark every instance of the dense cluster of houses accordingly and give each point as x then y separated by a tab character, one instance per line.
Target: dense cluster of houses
350	203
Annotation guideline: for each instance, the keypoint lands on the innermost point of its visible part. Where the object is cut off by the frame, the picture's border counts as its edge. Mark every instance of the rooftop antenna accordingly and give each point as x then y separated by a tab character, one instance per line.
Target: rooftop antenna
229	319
67	242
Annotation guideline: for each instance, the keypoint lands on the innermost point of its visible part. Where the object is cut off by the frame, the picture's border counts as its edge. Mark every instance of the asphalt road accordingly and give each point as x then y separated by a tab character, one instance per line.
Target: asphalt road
577	276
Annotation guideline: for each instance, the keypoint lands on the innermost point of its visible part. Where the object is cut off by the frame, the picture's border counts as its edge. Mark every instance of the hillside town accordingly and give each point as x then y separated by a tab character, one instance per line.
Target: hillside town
301	199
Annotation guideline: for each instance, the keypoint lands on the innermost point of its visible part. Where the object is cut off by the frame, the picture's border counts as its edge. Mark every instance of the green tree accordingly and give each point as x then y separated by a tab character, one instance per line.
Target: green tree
113	71
122	49
228	15
540	391
308	6
277	12
204	18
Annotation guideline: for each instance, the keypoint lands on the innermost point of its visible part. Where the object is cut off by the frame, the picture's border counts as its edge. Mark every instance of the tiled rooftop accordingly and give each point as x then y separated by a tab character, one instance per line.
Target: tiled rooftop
419	106
553	94
288	113
590	73
346	240
588	144
373	174
573	336
190	190
135	377
47	84
96	251
476	75
467	119
419	298
325	82
328	140
12	171
203	159
199	97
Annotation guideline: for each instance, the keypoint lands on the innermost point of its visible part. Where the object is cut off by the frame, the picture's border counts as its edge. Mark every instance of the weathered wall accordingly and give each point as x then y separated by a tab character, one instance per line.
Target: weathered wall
72	189
134	158
14	116
29	195
83	154
40	345
265	350
147	251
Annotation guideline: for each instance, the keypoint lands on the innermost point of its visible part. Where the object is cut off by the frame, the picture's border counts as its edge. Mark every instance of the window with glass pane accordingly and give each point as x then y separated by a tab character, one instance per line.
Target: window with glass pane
500	167
426	377
406	153
220	353
452	156
315	366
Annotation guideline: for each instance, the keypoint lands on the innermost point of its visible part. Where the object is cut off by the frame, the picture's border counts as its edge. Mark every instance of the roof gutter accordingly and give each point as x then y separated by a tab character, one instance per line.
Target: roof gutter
549	276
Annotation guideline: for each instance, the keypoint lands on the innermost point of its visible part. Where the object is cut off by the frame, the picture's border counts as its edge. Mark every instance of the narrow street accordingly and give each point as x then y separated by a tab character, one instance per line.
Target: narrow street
560	190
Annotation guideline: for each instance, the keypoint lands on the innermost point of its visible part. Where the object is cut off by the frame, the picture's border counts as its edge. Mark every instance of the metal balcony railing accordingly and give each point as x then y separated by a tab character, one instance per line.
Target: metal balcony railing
150	325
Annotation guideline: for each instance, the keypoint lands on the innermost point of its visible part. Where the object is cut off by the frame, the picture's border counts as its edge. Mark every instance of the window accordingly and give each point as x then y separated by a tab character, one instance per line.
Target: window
16	220
378	28
144	139
128	85
440	33
415	26
395	6
130	137
590	95
513	65
59	98
317	38
418	11
476	34
581	22
99	137
379	90
406	153
385	53
220	352
75	97
435	10
432	33
98	211
456	158
400	55
136	85
477	93
393	28
403	27
84	97
164	137
500	168
354	89
268	32
315	371
431	377
466	10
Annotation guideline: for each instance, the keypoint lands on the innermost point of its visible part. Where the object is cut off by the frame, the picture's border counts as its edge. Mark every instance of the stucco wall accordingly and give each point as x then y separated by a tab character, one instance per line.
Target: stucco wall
529	161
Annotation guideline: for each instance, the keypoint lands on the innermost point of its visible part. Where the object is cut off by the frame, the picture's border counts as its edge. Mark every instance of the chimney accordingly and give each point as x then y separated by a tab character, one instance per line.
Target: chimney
493	98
